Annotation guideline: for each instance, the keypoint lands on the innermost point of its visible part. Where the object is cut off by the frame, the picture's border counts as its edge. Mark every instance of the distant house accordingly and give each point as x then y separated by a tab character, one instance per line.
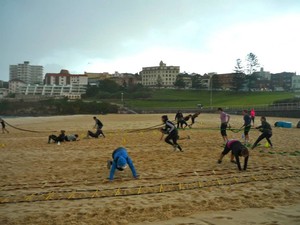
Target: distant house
94	78
65	78
126	79
296	83
282	81
3	92
227	81
15	85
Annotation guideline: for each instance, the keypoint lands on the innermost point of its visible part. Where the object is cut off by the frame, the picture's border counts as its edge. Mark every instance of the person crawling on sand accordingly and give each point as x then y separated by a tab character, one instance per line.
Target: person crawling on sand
237	149
172	133
120	160
59	138
71	137
97	134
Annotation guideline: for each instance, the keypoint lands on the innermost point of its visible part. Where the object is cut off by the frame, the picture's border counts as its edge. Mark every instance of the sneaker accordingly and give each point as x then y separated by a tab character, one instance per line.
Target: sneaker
178	146
219	161
175	147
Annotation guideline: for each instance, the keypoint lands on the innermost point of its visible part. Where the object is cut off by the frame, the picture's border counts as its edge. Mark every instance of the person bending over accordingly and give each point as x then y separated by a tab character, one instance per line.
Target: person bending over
120	160
237	149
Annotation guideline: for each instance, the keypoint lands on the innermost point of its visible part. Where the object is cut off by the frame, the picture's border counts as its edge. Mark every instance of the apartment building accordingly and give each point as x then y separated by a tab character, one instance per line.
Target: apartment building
296	83
29	74
162	75
65	78
282	81
69	91
14	85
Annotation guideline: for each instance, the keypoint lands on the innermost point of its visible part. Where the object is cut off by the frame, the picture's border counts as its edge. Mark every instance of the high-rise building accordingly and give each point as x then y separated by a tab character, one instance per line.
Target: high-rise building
29	74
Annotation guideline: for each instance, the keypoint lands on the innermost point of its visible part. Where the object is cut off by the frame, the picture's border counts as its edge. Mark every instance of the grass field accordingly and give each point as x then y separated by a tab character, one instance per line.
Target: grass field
190	98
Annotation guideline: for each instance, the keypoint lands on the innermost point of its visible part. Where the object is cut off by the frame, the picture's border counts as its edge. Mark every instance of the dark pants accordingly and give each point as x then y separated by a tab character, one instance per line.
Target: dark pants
55	138
265	135
223	129
97	134
174	137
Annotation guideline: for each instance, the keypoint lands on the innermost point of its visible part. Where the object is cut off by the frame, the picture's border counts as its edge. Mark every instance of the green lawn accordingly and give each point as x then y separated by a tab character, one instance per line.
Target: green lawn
190	98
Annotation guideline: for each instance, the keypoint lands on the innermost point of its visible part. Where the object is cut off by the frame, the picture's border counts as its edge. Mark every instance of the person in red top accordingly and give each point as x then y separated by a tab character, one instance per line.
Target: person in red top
237	149
252	115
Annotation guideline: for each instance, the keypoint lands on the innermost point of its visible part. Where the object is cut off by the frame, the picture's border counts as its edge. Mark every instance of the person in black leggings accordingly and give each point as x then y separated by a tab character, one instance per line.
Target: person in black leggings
237	149
172	133
266	130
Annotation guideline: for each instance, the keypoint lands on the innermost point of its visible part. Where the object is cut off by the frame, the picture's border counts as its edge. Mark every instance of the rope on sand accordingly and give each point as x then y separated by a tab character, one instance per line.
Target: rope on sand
21	129
80	194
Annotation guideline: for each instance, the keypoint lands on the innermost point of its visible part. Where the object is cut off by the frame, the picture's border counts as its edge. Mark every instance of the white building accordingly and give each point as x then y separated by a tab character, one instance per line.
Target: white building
296	83
70	91
29	74
3	92
162	75
14	85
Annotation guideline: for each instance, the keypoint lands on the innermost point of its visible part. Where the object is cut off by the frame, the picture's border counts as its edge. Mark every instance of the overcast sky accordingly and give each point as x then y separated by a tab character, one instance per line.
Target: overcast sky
200	36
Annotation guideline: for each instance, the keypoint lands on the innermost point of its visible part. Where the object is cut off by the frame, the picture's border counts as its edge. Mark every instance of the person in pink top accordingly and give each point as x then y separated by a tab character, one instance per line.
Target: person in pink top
237	150
252	115
224	123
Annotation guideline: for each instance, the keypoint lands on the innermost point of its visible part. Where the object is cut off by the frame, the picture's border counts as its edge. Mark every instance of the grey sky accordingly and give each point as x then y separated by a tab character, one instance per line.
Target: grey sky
125	35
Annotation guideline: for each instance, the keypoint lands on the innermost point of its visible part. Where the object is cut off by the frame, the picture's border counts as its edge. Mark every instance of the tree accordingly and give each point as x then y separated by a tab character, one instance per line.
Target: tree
239	68
179	82
196	81
252	63
215	83
108	86
251	81
238	81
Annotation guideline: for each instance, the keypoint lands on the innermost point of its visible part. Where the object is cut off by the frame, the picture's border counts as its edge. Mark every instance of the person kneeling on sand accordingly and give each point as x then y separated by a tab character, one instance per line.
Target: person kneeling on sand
120	160
237	149
56	139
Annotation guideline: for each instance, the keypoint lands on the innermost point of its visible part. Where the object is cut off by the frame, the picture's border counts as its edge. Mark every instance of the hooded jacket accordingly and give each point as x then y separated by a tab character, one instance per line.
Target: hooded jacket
120	159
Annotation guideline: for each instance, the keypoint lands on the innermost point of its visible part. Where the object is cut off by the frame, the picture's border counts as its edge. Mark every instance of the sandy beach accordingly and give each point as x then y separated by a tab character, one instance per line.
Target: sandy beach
47	184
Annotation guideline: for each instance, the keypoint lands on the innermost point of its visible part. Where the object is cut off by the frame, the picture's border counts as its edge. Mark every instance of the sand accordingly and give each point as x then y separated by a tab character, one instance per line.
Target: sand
45	183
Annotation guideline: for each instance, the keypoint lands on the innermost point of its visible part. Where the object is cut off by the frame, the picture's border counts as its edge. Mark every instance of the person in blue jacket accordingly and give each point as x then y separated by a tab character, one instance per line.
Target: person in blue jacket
246	125
120	161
